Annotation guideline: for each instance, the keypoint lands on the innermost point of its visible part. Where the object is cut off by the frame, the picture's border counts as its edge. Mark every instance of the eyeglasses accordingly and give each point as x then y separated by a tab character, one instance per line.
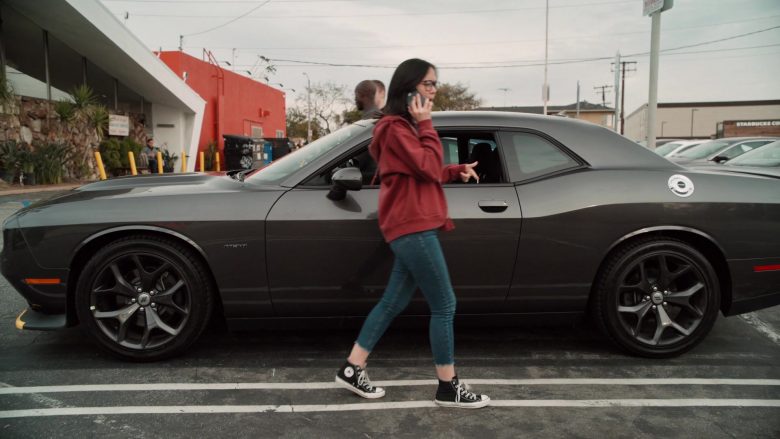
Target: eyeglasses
429	84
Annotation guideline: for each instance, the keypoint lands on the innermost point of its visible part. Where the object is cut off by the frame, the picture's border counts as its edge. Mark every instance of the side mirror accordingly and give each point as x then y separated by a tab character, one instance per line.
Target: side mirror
720	159
346	179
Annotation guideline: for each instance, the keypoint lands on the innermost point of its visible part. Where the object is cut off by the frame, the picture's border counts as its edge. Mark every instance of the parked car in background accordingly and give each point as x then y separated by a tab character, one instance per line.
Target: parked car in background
658	142
718	150
764	160
677	146
571	220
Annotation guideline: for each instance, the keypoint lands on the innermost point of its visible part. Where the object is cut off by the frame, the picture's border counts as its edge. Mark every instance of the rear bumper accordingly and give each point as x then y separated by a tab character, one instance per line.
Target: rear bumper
755	284
30	319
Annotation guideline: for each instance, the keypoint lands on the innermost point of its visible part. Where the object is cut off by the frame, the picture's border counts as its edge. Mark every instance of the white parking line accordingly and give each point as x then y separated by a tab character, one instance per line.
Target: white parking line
394	383
189	409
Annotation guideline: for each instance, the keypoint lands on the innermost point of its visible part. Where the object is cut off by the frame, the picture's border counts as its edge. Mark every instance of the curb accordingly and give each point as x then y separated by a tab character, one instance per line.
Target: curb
35	189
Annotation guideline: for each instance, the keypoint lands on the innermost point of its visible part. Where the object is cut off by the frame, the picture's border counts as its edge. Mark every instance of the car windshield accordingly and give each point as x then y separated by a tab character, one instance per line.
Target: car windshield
767	155
667	148
704	150
280	169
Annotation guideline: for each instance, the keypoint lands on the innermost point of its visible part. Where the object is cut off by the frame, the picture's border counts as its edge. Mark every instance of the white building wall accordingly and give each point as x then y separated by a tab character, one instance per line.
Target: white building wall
676	122
169	131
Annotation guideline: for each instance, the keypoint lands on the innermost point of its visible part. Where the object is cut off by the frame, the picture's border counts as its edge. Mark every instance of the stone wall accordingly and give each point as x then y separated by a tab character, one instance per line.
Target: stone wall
31	121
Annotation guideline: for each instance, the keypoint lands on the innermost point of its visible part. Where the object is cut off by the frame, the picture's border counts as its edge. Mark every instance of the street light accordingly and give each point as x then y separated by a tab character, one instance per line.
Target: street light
692	110
308	108
505	90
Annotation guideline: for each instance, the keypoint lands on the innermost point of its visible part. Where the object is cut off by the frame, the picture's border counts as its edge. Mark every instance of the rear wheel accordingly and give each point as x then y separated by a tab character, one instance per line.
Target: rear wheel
144	298
657	297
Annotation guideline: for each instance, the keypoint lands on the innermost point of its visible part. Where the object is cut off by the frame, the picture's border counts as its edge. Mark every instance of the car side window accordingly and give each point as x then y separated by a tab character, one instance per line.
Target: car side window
359	158
529	156
465	146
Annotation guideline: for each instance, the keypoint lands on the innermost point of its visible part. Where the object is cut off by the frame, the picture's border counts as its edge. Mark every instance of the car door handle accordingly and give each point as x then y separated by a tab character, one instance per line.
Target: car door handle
493	206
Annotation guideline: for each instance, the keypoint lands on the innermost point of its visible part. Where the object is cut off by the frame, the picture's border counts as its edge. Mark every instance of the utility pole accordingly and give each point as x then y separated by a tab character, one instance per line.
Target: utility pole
624	66
308	108
505	90
654	9
546	88
578	99
603	90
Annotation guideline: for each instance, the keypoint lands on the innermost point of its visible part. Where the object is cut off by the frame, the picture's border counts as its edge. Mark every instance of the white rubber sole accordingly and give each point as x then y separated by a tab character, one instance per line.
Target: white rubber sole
380	393
464	405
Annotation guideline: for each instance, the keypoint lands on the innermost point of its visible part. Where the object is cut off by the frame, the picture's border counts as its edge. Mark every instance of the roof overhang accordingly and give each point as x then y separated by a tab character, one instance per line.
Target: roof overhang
89	30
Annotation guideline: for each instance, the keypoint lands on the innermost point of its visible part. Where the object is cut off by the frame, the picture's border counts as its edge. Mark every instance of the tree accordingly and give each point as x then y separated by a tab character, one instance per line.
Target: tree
454	97
328	101
351	115
296	124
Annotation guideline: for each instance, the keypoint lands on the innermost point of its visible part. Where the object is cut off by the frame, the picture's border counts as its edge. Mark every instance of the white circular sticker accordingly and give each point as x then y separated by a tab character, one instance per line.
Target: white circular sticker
348	372
680	185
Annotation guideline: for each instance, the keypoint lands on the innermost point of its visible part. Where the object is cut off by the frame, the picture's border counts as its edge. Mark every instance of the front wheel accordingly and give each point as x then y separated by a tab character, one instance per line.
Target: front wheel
657	297
144	298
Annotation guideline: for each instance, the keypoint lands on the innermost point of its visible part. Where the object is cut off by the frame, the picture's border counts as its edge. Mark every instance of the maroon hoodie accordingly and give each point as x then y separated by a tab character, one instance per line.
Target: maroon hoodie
411	169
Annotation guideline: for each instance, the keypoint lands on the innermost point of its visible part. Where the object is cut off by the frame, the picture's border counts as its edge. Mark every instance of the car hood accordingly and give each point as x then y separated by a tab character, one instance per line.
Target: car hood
155	180
150	186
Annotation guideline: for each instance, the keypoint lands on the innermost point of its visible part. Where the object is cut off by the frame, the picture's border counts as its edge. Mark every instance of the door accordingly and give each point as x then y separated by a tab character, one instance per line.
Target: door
328	258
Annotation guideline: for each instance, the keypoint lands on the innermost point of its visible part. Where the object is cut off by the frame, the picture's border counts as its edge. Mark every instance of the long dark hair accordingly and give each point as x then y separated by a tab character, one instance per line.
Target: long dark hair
405	79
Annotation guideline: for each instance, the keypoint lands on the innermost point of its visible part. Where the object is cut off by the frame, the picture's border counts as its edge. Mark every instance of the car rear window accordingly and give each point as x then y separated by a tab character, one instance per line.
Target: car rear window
530	156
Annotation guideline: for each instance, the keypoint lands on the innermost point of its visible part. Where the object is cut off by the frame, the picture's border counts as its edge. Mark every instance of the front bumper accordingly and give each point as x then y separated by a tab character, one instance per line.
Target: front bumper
19	267
31	319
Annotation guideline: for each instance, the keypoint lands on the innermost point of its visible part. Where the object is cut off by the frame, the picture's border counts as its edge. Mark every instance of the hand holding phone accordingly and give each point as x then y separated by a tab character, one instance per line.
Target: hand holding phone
419	112
410	98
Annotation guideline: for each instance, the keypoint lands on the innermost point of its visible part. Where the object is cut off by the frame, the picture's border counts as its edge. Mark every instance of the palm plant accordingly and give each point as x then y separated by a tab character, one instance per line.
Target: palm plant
98	119
65	110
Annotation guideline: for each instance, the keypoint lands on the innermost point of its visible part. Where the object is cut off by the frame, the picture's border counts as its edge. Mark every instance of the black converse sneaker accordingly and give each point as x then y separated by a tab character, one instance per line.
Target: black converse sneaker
457	394
355	379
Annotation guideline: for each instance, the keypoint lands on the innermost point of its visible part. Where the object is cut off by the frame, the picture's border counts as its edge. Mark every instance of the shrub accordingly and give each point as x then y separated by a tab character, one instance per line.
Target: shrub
49	160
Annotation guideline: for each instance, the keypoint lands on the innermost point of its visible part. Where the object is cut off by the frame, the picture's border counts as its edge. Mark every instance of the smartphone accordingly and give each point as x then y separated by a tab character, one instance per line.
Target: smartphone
411	96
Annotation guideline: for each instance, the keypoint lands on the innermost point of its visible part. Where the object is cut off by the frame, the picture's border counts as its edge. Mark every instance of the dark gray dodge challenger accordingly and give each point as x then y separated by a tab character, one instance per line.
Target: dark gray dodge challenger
568	220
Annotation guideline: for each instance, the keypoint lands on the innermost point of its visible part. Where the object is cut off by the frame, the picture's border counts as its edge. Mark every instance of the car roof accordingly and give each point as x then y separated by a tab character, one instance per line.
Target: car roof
599	146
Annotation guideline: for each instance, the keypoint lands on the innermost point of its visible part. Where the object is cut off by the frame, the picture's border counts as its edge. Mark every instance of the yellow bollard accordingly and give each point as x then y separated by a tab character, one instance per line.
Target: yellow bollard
159	163
216	156
101	169
183	161
131	159
202	163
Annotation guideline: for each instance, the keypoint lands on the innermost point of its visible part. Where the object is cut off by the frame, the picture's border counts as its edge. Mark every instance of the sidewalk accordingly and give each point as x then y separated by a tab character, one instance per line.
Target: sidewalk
16	189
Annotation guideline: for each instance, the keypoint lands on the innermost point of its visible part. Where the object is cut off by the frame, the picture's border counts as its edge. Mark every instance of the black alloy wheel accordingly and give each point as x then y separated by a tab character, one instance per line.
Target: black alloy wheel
144	298
657	297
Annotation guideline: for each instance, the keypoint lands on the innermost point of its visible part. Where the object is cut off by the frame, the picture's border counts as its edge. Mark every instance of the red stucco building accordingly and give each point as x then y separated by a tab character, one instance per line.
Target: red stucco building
235	104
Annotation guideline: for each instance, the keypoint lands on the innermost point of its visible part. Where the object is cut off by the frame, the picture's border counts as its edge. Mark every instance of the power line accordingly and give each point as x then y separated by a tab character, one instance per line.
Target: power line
534	63
230	21
483	43
398	14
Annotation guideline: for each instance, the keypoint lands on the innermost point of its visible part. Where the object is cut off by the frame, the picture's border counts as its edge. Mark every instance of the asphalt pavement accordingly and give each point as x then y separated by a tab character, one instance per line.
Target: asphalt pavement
546	382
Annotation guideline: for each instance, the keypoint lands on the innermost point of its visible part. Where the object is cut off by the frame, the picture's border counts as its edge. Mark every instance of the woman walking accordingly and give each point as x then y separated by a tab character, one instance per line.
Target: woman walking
412	209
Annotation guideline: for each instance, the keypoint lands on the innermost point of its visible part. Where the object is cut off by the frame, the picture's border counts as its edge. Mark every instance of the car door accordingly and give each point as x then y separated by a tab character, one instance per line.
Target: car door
328	258
548	277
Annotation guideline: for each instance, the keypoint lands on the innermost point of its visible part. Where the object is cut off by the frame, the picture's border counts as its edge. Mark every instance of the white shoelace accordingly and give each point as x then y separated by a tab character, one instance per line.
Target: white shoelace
462	391
363	381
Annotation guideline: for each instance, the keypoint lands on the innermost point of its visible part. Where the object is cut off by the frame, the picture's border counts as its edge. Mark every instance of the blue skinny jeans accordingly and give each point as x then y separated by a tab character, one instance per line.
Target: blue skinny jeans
419	262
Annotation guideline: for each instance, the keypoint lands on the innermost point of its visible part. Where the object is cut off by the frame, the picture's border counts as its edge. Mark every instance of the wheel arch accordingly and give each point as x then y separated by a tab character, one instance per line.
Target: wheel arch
702	242
89	246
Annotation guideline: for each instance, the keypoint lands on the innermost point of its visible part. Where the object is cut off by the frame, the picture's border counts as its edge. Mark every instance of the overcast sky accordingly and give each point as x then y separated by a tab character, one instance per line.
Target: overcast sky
488	45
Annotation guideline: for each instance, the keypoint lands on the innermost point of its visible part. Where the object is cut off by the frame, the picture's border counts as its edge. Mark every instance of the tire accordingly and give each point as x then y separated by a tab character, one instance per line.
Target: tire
144	298
652	312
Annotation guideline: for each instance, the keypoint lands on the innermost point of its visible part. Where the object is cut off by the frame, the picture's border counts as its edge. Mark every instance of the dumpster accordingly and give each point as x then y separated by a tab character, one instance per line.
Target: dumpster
240	152
243	152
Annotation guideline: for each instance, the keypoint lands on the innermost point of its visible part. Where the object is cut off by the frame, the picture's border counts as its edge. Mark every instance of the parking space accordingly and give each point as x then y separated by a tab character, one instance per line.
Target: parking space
546	382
